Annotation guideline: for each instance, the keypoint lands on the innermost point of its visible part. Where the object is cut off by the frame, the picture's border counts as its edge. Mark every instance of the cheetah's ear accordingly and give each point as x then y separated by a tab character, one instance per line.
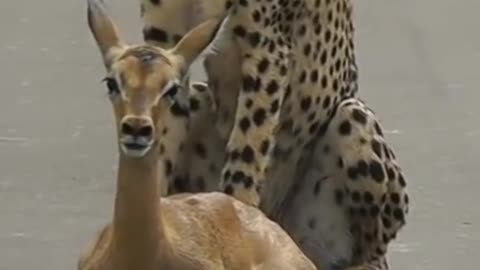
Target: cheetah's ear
104	30
202	40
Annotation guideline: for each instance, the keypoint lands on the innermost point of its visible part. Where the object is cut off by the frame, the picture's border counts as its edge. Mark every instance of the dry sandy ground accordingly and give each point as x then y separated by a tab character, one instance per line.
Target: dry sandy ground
419	71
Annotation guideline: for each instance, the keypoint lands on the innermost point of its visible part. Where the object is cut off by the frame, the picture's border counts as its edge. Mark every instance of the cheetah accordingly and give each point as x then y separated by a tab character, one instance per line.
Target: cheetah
288	132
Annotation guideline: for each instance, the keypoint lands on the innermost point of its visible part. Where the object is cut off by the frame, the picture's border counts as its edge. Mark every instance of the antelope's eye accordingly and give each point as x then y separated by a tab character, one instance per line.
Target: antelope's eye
112	86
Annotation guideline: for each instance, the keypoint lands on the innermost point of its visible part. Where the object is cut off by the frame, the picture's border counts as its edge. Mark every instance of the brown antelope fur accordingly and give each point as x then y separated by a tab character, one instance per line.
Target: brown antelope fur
291	134
204	231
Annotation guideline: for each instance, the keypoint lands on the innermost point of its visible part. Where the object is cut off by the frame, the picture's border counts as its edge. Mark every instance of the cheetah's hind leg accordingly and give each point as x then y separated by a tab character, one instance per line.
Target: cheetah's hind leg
353	199
354	151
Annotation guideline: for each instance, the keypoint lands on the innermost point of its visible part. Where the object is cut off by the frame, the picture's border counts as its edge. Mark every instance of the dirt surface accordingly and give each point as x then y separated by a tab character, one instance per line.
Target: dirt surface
419	72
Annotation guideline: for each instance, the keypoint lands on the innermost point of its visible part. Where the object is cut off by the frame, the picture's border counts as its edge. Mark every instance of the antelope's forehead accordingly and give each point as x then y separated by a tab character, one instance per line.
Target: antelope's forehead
143	69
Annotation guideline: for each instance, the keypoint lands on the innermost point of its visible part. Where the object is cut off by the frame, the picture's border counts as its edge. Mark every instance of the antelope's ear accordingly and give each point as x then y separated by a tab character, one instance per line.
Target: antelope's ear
201	40
104	30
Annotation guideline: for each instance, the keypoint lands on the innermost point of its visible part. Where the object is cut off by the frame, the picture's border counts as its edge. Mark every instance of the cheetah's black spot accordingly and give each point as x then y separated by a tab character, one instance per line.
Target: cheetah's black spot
259	116
248	83
359	116
238	177
244	124
395	198
340	162
378	129
307	49
362	168
377	148
249	103
272	87
388	209
390	174
243	3
155	34
234	155
302	30
254	39
313	127
305	103
248	155
345	128
264	147
376	171
248	182
263	65
256	16
401	180
326	102
368	197
275	106
386	223
314	76
240	31
303	77
161	149
352	173
356	197
323	58
374	211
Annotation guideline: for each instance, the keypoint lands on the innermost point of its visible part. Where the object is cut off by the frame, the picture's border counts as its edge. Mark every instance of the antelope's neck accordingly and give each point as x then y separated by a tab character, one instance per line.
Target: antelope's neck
137	222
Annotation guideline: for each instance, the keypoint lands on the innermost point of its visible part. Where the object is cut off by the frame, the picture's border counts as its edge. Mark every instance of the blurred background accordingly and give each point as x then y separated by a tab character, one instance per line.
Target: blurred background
418	70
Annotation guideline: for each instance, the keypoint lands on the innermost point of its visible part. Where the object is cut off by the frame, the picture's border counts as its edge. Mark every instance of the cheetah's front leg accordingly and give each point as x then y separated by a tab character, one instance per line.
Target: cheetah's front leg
258	106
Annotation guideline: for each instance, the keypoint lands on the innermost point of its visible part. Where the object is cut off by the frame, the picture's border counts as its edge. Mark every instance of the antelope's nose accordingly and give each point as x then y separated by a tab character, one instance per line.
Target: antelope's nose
137	126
